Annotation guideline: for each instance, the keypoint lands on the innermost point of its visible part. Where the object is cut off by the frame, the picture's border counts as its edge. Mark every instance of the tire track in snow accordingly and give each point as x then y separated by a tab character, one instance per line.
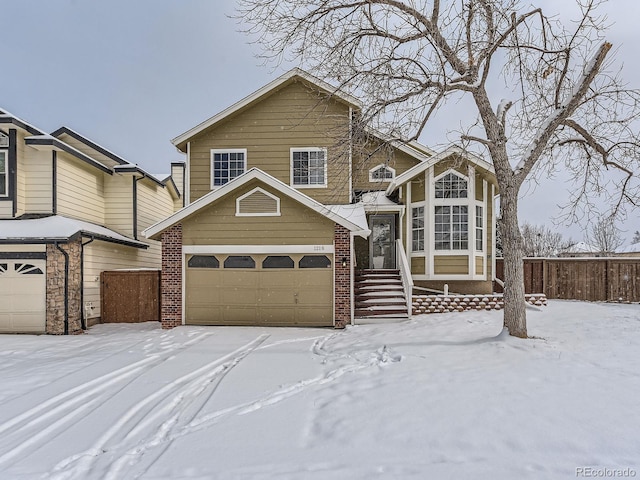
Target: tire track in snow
146	426
20	435
172	429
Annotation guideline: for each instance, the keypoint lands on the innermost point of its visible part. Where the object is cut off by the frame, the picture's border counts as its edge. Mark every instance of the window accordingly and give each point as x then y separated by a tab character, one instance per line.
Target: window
479	228
203	261
227	165
451	227
451	186
243	261
381	173
309	167
3	173
417	223
314	261
278	261
27	269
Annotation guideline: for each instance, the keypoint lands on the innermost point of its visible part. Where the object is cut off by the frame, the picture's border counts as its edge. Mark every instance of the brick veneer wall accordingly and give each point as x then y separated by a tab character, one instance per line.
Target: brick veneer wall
56	288
342	295
171	279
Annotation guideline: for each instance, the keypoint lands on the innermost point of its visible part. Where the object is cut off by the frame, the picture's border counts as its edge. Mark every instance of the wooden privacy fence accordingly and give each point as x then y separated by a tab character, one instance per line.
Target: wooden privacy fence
130	296
592	279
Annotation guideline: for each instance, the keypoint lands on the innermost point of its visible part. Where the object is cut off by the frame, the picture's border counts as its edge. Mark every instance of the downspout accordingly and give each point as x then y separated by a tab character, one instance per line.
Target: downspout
83	320
54	182
66	288
135	205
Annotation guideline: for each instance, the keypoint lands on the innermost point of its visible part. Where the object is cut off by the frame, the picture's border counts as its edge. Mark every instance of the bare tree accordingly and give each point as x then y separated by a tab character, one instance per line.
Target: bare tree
540	241
605	235
636	237
407	58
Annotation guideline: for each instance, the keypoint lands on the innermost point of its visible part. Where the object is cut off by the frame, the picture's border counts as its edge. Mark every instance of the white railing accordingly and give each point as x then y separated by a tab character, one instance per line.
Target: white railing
405	274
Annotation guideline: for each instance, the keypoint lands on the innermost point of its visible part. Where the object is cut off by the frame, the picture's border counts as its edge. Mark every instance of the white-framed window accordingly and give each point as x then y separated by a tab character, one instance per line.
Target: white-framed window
417	229
382	173
227	164
309	167
479	228
451	227
4	177
451	185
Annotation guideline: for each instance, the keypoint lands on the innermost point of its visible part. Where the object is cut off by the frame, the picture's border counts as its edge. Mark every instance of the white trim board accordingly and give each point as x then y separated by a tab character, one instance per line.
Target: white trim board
257	249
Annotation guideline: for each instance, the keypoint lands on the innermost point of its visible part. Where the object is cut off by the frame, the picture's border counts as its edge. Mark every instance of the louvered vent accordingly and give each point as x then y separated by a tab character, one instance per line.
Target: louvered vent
258	202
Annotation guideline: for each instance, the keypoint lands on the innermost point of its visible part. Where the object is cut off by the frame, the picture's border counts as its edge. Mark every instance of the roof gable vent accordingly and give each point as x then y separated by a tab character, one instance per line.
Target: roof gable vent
257	203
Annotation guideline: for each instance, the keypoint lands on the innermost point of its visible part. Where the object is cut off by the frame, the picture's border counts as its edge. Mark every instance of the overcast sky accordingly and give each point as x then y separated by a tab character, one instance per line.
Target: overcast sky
133	74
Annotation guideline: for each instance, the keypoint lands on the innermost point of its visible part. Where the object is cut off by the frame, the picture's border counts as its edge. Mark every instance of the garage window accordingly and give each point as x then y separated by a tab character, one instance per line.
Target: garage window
315	261
27	269
203	261
278	261
3	267
239	261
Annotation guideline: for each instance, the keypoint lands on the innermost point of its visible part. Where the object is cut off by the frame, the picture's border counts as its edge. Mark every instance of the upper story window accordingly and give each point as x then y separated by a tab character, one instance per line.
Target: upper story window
227	164
4	178
308	167
451	186
382	173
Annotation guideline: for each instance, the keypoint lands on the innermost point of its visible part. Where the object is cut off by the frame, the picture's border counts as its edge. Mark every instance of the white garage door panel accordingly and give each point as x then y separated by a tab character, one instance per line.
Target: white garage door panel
22	296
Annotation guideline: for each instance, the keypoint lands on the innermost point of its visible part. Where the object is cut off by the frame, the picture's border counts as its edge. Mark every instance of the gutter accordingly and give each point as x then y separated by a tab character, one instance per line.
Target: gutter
83	320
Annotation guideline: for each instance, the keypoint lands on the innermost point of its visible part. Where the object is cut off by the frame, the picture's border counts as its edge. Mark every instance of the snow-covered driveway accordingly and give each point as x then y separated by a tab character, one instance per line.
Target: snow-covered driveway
442	396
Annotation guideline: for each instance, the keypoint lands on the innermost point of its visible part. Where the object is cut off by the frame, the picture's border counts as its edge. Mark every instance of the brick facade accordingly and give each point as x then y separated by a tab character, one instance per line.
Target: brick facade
56	279
342	290
171	279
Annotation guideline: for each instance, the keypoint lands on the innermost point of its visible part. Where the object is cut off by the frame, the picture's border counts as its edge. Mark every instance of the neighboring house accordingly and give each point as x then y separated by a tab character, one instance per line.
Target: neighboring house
69	209
286	213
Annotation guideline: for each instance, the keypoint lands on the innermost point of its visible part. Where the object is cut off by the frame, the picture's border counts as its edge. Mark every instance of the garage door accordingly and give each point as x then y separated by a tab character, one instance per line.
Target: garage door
269	290
22	296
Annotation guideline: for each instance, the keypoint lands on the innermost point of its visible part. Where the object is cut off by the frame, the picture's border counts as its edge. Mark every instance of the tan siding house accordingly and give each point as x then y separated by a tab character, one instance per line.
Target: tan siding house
69	210
278	186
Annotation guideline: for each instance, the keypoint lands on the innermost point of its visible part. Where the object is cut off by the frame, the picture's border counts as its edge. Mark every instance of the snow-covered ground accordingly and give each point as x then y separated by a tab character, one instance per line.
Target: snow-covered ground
442	396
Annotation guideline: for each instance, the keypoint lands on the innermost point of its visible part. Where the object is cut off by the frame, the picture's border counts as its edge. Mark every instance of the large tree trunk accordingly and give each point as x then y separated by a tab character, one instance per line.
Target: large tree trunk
515	316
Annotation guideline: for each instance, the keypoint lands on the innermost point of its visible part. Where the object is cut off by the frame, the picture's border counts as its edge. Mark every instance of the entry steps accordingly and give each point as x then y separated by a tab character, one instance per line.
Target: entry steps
379	293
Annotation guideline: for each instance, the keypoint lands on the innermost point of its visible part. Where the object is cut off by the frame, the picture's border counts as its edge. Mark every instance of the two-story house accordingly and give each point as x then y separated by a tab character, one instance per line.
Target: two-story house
69	209
293	218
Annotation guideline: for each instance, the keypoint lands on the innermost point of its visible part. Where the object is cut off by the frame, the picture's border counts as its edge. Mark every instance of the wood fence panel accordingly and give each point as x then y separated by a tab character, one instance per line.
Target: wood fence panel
130	296
590	279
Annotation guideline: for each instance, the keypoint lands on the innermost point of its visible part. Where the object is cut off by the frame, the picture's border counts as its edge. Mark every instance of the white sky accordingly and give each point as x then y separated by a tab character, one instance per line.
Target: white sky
132	75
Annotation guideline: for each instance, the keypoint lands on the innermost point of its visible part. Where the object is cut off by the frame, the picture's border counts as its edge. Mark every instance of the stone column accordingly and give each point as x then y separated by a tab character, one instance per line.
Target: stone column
57	312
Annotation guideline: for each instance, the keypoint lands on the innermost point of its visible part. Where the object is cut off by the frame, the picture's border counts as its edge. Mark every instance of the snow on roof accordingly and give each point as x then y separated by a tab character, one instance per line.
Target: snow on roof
6	114
354	213
58	228
582	247
378	201
633	248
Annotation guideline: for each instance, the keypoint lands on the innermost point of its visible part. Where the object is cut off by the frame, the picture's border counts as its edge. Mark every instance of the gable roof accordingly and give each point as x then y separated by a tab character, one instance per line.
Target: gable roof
421	167
352	221
293	74
98	148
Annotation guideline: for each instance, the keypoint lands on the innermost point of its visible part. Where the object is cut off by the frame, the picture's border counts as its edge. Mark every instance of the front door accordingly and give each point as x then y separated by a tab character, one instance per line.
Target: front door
382	242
